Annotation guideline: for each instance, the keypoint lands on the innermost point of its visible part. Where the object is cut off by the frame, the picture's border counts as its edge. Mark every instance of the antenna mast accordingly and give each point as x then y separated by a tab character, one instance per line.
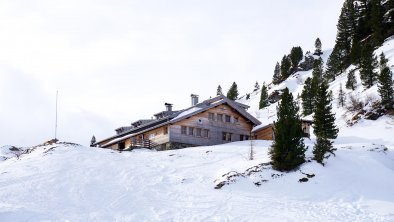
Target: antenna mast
56	117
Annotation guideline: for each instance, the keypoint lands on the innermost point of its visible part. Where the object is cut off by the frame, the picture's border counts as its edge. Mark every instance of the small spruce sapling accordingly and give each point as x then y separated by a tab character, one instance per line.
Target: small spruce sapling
341	96
318	47
219	91
256	87
92	141
276	79
263	97
351	80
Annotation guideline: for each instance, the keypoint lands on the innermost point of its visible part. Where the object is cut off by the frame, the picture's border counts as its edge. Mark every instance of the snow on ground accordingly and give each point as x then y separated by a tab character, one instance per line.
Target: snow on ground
7	152
63	182
66	182
295	83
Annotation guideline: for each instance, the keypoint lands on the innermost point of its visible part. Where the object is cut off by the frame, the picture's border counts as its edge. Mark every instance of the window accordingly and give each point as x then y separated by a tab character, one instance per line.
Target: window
228	118
191	131
220	117
165	130
211	116
235	119
246	137
183	130
229	136
226	136
205	133
241	137
152	135
198	132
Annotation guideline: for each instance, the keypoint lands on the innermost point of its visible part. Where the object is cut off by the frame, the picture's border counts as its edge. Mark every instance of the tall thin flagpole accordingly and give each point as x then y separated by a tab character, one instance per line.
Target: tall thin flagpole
56	116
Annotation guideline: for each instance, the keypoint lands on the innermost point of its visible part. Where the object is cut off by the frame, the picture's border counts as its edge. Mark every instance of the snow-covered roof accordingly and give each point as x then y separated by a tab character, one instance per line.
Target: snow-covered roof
187	112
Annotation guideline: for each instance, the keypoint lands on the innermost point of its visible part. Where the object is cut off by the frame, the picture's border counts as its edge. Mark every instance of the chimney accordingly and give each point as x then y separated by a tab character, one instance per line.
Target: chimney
194	99
168	106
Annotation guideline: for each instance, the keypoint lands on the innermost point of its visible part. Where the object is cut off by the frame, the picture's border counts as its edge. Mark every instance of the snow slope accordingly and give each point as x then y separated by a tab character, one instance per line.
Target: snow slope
68	182
62	182
372	130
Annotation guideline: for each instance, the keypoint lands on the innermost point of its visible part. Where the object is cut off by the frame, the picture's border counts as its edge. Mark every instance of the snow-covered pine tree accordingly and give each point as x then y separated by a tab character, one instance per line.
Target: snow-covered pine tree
324	124
233	92
263	97
351	80
368	64
318	47
256	87
341	96
288	150
276	79
385	89
307	98
219	91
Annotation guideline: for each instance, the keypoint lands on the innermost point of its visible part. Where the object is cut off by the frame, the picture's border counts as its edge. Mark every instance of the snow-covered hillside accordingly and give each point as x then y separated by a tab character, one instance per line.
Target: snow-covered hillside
66	182
363	127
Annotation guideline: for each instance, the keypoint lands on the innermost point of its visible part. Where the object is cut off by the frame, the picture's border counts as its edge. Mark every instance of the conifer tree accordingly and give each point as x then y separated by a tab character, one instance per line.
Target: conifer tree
340	59
333	64
307	98
233	92
256	87
351	80
341	96
324	124
296	56
368	64
307	64
318	47
288	150
355	54
317	73
93	140
385	89
376	21
285	67
389	17
219	91
276	79
263	97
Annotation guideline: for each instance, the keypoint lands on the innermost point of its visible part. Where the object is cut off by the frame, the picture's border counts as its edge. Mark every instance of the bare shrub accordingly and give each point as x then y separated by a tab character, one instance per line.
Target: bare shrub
354	103
370	99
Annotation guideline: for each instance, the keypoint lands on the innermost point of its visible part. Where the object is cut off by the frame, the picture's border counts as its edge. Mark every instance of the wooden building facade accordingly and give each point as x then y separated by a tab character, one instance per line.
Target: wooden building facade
211	122
266	132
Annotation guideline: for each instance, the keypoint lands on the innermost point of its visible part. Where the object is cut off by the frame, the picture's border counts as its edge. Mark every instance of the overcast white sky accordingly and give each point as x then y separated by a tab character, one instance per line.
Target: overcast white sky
117	61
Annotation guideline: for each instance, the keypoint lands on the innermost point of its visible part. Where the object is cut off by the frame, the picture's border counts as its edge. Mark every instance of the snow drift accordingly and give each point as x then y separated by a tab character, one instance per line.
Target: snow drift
68	182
